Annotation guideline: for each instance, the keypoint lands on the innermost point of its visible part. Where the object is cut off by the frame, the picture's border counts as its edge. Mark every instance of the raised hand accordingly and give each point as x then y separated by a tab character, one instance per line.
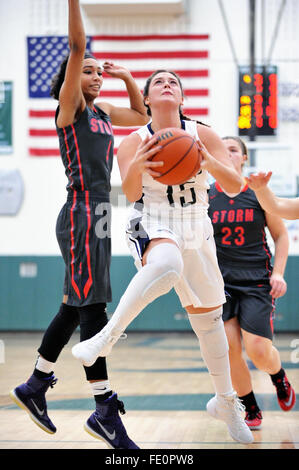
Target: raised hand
258	180
115	70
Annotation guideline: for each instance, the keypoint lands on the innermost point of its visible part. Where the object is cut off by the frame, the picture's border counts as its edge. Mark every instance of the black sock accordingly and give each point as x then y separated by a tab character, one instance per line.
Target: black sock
101	398
42	375
249	402
278	376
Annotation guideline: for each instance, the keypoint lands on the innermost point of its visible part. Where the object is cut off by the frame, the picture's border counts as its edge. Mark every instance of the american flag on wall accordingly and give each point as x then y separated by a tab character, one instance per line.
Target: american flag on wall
186	54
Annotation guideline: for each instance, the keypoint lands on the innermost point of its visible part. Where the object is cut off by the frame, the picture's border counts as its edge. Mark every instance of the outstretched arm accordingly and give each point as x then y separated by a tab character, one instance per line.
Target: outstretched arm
216	160
71	98
120	116
280	237
283	207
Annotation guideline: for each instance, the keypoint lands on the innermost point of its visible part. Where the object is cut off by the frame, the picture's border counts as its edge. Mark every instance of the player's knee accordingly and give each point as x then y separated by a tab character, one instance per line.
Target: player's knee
210	331
174	266
258	352
167	258
166	266
67	311
93	318
165	280
235	349
166	276
215	341
89	312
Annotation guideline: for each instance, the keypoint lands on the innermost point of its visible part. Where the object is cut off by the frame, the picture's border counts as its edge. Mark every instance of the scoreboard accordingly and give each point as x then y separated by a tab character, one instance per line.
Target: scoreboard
258	101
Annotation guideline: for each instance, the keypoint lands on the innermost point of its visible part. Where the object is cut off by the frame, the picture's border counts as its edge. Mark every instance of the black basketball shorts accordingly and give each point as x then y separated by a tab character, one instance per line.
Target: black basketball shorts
248	298
83	234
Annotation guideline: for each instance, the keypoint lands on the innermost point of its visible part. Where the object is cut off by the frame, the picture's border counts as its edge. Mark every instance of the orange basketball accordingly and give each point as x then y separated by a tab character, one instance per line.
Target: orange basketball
180	156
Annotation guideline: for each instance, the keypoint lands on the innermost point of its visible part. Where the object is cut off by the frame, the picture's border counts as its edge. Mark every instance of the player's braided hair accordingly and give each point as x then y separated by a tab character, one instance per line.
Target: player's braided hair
58	78
146	90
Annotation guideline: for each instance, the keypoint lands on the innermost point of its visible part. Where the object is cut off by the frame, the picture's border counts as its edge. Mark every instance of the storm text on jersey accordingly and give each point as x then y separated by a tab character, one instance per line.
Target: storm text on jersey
232	215
100	127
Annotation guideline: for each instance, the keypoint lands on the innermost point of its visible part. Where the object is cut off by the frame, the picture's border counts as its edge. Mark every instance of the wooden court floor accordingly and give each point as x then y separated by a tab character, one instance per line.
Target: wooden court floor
164	384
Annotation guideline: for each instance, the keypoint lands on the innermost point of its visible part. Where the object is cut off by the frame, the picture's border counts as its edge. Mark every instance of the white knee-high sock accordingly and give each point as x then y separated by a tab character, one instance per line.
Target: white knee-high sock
162	271
209	328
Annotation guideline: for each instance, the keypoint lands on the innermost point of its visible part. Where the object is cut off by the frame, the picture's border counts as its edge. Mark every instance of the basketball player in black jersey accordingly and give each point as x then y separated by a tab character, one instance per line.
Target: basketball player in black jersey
86	146
251	284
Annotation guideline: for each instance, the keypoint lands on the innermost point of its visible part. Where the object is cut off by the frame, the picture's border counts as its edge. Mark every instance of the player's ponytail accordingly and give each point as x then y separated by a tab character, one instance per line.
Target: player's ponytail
186	118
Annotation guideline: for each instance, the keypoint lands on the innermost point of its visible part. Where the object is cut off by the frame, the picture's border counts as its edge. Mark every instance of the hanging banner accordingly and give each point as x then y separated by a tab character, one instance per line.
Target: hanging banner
5	117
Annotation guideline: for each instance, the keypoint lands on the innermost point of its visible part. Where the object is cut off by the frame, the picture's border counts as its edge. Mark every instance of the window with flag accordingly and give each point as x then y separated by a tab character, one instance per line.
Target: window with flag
186	54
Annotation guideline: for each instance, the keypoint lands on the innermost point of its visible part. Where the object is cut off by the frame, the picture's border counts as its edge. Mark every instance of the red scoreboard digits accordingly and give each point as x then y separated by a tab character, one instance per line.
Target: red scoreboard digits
258	105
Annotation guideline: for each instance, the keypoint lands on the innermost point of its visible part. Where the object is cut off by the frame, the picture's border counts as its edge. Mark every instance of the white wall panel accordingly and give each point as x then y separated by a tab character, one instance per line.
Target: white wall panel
32	231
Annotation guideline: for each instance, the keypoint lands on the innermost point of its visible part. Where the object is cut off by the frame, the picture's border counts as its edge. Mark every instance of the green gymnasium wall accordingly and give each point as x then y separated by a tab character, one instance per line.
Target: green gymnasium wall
31	292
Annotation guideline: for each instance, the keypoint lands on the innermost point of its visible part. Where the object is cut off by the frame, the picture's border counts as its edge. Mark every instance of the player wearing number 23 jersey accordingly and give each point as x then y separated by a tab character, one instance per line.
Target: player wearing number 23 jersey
244	257
251	283
239	228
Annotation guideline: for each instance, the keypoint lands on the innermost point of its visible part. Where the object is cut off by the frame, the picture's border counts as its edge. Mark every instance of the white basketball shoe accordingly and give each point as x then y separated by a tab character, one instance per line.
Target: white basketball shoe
229	409
99	345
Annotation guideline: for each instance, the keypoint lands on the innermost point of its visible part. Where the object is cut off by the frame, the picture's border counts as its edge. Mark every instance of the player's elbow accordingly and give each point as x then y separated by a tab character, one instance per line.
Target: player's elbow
133	198
132	195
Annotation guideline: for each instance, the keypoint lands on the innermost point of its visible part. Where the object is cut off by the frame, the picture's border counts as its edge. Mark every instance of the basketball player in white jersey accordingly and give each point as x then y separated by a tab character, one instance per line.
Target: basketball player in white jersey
171	239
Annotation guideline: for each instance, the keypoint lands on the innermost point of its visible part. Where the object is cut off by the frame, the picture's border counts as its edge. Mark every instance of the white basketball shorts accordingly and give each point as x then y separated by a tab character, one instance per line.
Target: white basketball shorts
201	284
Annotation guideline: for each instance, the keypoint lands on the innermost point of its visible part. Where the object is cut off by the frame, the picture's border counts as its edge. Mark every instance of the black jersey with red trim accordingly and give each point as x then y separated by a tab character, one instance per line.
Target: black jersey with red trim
86	149
239	229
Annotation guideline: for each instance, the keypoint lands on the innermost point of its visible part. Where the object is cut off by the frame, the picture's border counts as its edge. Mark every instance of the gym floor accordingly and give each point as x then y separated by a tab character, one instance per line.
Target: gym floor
164	385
